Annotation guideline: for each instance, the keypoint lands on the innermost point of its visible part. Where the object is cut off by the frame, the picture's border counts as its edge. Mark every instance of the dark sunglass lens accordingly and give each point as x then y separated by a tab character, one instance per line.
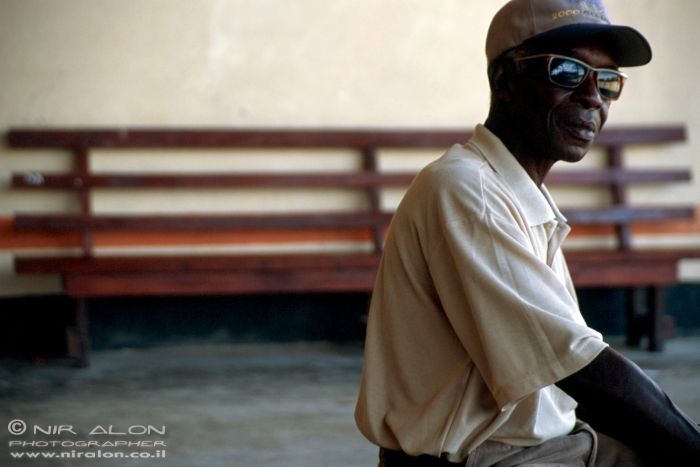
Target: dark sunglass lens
609	84
566	73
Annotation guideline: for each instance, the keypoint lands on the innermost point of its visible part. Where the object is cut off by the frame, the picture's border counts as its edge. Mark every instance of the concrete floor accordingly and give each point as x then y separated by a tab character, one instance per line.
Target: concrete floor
256	405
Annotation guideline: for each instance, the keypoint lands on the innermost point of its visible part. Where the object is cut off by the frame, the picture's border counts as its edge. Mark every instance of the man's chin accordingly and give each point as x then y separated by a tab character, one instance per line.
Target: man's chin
574	148
574	156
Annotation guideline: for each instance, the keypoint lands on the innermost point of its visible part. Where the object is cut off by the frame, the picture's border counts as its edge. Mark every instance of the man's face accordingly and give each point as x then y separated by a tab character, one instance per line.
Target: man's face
560	123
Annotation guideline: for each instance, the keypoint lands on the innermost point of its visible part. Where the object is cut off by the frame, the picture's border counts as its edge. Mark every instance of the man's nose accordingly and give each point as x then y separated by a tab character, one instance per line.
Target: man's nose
587	92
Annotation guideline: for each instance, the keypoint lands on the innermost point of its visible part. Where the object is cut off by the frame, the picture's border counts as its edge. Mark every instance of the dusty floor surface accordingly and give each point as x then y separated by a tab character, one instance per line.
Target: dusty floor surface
276	405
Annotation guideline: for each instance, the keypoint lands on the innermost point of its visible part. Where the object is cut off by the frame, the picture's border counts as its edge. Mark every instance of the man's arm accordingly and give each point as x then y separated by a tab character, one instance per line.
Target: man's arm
617	398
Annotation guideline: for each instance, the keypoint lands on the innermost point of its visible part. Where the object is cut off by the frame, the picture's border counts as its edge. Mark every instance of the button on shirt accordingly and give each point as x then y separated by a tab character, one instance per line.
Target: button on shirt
473	317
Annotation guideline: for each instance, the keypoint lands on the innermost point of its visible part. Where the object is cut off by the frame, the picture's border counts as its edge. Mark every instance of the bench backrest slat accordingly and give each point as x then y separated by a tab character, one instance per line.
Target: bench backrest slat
615	215
316	179
616	175
286	138
253	180
329	220
623	215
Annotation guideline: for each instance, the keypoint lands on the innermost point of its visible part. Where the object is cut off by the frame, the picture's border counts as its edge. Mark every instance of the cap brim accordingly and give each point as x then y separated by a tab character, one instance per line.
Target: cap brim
626	45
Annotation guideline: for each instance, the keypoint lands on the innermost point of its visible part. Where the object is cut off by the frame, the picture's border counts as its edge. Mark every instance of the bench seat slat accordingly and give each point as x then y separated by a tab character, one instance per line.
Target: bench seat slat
174	263
624	274
605	268
345	279
144	275
151	263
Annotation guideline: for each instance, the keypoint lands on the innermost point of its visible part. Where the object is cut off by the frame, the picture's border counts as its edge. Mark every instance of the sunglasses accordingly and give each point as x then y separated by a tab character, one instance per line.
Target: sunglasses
570	73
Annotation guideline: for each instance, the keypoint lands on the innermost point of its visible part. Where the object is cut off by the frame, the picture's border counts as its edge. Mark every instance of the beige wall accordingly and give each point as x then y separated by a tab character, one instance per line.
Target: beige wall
307	62
310	63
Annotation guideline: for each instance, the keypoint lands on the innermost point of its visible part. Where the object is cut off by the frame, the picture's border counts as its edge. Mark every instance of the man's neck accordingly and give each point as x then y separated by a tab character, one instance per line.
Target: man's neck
536	166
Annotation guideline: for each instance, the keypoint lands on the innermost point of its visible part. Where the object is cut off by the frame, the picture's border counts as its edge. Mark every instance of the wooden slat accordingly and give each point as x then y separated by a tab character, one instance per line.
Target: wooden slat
291	138
626	136
639	256
168	275
314	180
287	180
622	176
626	268
200	222
625	215
141	222
222	138
193	263
608	274
198	263
243	222
221	282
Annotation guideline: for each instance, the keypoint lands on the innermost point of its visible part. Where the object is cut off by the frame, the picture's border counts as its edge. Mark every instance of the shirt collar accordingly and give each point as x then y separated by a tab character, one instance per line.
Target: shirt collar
537	206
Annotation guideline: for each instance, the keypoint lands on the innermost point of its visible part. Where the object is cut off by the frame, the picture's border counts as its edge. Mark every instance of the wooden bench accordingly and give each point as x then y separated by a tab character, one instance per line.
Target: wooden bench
88	274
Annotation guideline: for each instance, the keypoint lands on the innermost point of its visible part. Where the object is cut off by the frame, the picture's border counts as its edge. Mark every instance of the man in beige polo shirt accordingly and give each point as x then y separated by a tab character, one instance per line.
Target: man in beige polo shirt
476	351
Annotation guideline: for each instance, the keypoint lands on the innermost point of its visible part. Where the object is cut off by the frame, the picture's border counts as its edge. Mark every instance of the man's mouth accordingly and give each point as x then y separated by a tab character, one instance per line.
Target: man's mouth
583	130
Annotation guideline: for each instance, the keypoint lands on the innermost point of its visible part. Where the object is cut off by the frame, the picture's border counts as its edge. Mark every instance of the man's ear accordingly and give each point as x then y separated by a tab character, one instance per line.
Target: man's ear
501	81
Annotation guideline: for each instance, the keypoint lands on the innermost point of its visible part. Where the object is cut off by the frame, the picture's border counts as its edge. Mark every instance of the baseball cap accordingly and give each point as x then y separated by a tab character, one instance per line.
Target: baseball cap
545	21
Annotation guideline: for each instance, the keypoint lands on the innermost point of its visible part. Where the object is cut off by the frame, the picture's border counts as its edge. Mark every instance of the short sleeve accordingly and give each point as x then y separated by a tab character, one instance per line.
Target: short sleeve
513	313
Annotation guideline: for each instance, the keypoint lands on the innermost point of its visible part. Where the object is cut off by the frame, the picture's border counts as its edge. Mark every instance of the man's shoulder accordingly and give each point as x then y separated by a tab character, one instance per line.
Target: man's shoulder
457	178
457	162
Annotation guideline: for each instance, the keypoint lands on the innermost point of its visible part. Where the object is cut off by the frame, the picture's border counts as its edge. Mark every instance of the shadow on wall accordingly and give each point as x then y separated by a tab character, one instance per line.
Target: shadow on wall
33	326
682	304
